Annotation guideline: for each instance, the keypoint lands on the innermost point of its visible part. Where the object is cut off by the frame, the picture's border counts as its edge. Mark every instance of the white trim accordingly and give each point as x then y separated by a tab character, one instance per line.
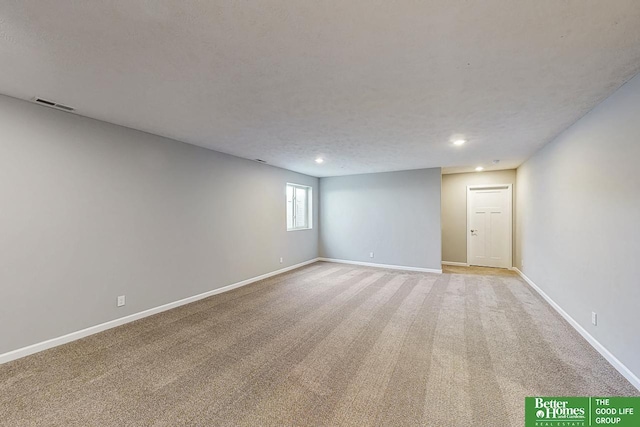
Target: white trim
509	187
617	364
459	264
308	210
54	342
371	264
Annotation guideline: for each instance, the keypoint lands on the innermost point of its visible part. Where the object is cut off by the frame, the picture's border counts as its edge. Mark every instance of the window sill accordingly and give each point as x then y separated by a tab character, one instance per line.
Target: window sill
299	229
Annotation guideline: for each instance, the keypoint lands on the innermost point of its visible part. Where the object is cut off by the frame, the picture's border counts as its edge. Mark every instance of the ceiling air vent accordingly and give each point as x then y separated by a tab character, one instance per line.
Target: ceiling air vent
53	104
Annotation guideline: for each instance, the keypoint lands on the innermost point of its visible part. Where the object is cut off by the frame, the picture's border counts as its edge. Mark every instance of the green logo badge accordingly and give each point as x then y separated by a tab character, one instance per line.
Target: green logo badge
582	411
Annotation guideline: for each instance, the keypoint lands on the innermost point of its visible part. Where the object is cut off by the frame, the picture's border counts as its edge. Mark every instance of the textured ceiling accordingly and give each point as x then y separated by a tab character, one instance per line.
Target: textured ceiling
369	85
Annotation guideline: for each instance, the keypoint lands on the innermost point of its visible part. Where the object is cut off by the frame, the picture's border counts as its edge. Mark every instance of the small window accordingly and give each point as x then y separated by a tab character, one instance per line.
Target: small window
298	207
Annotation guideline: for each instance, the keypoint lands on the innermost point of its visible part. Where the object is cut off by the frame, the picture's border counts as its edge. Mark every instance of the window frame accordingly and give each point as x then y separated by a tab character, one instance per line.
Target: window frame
308	210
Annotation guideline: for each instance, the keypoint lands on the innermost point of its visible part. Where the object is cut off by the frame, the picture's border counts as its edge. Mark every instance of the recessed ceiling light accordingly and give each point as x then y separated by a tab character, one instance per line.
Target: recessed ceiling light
459	142
319	160
479	169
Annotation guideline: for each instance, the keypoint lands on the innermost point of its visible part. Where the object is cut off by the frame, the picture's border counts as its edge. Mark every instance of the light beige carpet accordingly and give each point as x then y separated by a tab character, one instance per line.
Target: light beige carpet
327	344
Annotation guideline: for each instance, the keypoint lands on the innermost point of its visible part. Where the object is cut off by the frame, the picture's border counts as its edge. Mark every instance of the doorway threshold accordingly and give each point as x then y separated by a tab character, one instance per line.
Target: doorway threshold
476	270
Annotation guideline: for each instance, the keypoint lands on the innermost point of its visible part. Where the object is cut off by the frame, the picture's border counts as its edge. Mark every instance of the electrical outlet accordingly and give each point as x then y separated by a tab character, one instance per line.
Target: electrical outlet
594	318
121	301
370	254
281	259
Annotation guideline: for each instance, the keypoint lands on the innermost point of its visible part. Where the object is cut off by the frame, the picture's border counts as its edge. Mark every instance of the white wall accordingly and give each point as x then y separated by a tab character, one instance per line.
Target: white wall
90	210
396	215
454	208
578	233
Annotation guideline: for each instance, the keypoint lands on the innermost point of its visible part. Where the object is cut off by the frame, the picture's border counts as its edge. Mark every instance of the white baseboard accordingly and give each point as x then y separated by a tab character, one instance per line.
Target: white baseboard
393	267
54	342
458	264
617	364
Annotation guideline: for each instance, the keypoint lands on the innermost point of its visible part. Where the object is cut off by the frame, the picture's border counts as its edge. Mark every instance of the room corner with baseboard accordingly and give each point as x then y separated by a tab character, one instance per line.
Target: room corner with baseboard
98	196
585	263
373	218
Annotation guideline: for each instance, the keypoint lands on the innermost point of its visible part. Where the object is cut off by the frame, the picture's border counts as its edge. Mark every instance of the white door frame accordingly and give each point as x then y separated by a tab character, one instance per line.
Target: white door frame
470	188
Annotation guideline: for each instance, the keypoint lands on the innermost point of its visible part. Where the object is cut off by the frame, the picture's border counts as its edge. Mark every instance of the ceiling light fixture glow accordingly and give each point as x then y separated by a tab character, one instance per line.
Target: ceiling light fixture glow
319	160
459	142
479	169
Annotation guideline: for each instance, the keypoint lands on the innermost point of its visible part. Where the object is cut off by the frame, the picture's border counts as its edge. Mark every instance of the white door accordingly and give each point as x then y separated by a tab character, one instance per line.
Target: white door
489	226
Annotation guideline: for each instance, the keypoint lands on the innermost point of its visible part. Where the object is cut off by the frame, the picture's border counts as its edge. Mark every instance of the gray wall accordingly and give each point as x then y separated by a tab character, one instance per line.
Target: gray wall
90	210
396	215
577	227
454	208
